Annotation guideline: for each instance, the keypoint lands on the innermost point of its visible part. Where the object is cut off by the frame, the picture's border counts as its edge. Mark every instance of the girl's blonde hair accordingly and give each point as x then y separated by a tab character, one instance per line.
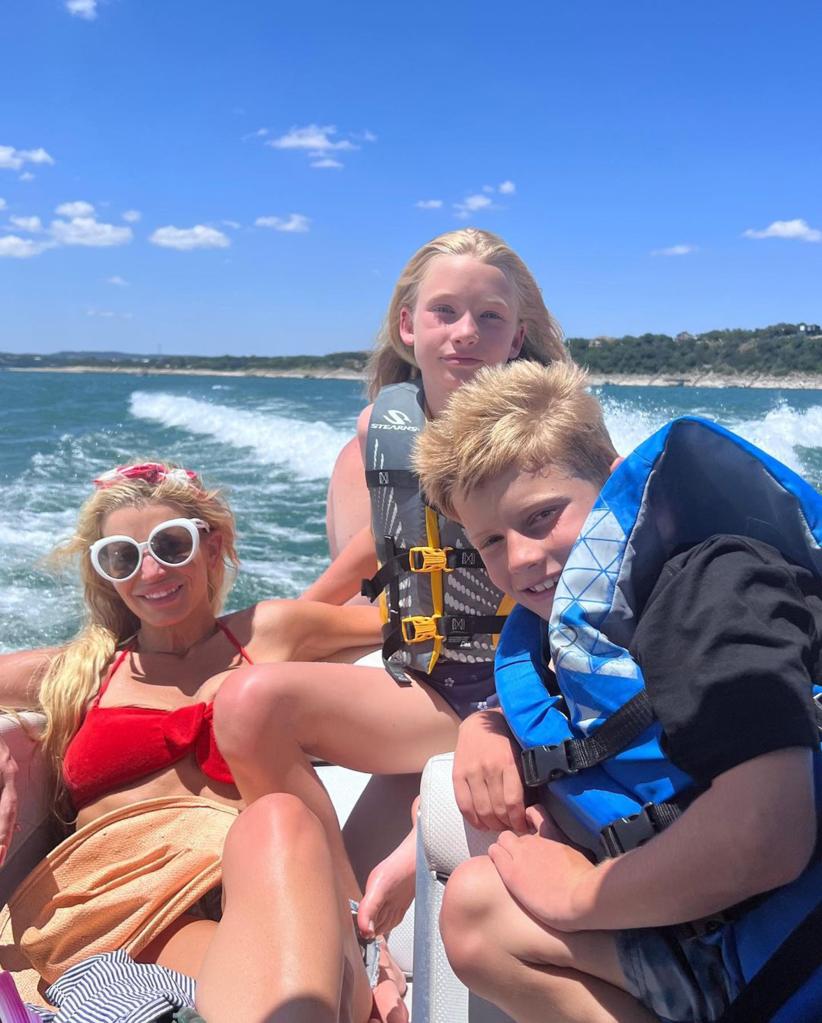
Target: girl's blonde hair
391	361
76	672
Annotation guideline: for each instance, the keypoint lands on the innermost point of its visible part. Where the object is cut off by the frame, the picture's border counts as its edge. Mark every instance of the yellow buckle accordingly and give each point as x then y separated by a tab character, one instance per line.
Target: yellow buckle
423	628
429	559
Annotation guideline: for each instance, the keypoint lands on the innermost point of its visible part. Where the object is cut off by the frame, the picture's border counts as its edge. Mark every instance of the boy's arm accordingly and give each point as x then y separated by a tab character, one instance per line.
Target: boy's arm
753	830
487	776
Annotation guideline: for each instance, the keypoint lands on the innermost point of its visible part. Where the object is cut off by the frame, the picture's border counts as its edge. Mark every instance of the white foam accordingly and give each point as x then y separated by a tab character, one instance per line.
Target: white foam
307	449
782	432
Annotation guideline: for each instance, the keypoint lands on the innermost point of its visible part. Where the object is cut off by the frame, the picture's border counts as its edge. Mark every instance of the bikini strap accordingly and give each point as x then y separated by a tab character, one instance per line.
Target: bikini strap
233	639
118	661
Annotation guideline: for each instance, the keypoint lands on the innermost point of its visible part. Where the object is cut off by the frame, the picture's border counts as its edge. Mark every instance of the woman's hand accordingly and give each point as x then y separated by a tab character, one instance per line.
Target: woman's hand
541	870
487	779
8	799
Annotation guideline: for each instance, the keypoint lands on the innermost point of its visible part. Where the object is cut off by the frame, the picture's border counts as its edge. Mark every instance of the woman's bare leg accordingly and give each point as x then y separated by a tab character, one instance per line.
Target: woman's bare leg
530	971
269	718
285	950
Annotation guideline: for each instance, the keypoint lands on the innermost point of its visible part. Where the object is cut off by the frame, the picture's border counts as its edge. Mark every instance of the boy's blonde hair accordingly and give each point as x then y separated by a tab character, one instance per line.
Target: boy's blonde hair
392	362
519	415
76	672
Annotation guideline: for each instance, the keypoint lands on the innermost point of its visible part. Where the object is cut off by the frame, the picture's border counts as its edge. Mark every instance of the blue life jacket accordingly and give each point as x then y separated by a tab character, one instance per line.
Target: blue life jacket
594	740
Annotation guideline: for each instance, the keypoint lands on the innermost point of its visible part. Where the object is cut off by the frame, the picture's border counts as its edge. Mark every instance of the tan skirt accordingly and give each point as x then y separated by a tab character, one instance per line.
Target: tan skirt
117	883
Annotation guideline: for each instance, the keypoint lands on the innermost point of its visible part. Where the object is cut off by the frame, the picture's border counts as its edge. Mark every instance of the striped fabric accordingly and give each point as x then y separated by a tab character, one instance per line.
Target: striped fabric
113	988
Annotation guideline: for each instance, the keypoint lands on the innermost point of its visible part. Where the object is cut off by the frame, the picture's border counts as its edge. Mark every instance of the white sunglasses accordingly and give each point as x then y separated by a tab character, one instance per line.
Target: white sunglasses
173	543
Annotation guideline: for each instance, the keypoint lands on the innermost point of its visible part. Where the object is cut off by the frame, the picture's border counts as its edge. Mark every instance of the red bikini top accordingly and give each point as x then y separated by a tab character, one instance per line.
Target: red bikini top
117	745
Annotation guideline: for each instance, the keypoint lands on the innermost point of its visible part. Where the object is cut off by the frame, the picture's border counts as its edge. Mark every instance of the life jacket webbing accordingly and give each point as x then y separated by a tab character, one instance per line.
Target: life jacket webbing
542	764
789	968
420	559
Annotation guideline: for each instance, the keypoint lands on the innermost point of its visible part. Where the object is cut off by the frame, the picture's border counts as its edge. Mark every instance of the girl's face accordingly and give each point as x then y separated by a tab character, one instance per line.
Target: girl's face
466	316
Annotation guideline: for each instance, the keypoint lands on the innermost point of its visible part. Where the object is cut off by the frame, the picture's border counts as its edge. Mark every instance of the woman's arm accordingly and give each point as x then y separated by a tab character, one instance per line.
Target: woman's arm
308	631
753	830
20	677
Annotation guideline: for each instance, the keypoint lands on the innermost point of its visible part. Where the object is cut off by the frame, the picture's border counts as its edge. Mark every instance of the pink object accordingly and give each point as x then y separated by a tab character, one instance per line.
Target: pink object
12	1009
151	472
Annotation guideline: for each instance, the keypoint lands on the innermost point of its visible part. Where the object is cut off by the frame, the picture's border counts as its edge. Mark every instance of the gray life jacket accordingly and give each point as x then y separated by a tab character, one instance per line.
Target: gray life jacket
438	604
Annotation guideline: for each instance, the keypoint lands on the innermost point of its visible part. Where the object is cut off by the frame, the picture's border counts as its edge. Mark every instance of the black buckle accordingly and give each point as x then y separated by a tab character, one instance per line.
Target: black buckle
541	764
368	589
628	832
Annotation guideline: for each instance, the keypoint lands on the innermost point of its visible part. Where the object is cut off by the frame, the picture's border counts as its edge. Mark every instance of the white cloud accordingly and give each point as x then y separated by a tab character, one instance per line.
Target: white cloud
187	238
132	216
472	203
429	204
31	224
296	223
313	137
82	8
118	282
507	188
89	232
235	225
75	209
13	159
319	141
26	176
106	314
675	250
15	247
787	229
3	204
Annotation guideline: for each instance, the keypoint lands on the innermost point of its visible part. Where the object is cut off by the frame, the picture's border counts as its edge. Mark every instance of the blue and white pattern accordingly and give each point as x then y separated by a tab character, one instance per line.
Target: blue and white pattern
113	988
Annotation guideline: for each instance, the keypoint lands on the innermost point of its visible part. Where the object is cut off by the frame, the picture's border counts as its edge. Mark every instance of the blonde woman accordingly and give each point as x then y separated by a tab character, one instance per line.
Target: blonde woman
130	745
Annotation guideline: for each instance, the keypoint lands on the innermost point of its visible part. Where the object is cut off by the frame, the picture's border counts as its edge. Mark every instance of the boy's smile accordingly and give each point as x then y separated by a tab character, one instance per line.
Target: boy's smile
524	526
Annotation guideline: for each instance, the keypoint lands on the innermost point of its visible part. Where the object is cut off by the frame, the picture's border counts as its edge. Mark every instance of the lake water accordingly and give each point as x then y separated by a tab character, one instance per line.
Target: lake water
271	444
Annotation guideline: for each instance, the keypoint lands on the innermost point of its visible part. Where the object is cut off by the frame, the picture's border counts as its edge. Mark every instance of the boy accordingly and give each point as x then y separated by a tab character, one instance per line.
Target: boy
518	457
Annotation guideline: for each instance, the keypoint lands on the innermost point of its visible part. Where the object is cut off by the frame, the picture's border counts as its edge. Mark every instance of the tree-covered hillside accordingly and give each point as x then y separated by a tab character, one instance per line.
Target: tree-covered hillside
776	351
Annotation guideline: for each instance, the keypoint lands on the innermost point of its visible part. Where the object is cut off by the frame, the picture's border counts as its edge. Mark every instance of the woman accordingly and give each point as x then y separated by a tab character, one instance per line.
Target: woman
130	746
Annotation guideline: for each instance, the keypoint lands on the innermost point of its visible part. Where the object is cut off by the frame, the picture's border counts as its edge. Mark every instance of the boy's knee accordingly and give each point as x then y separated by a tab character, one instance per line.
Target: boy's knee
250	704
467	914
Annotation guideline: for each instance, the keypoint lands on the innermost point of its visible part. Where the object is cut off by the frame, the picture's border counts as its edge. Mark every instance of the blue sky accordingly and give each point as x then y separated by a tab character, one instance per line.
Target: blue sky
196	176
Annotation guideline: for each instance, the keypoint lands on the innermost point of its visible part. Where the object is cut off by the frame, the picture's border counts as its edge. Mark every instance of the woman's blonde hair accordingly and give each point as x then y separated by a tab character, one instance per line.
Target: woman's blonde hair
391	361
519	416
76	672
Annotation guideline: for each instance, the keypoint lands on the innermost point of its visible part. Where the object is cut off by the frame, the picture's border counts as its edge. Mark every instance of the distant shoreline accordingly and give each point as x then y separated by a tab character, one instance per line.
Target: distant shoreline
791	381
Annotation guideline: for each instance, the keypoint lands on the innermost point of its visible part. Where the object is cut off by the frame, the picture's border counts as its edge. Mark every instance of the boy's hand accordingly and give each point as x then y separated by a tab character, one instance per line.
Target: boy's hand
487	779
541	870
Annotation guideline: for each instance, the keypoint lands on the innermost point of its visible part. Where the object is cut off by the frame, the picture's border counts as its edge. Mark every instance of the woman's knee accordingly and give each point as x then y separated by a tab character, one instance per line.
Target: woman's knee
254	704
278	826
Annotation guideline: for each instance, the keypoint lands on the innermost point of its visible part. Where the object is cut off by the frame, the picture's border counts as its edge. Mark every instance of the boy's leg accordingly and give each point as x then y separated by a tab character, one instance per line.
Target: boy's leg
530	971
269	718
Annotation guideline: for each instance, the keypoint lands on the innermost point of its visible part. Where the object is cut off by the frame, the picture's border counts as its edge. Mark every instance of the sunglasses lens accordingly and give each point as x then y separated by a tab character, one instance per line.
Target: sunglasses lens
119	558
172	545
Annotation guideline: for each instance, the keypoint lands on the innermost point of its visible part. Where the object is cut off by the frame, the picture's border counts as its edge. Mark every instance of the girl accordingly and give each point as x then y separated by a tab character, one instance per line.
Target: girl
465	300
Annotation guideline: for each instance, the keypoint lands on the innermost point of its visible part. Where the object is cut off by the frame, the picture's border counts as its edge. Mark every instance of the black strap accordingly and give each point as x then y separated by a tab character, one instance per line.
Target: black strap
629	832
391	478
542	764
457	557
788	969
454	629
